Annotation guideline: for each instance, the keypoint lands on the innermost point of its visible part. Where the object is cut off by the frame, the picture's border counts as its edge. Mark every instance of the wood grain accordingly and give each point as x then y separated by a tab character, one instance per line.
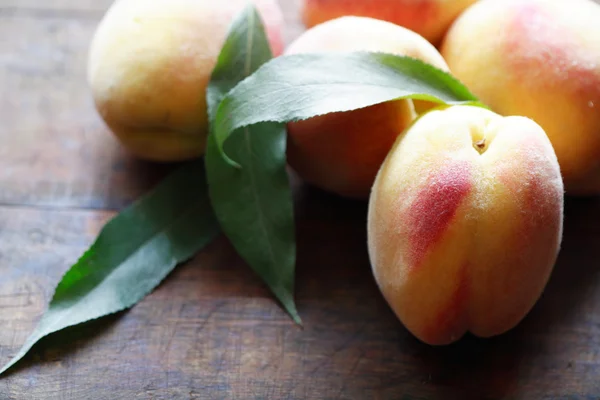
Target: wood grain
212	331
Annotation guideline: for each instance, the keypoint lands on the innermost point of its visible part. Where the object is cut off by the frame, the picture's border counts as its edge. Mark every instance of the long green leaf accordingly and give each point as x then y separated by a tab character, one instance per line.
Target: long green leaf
254	204
301	86
133	253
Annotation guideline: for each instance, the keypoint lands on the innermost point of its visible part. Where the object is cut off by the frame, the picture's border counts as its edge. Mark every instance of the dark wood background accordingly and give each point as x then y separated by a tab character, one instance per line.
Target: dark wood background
212	330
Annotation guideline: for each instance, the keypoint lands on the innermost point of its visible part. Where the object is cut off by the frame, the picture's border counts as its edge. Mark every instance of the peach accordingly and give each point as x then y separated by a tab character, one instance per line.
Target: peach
341	152
465	222
539	59
429	18
149	66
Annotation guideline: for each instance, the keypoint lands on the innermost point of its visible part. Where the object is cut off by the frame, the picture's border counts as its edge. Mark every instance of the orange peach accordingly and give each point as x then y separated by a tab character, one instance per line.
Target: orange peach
539	59
429	18
465	222
150	63
341	152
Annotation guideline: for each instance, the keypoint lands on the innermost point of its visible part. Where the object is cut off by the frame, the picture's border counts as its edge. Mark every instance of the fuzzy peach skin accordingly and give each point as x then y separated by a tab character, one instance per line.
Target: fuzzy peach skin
341	152
465	222
540	59
429	18
149	66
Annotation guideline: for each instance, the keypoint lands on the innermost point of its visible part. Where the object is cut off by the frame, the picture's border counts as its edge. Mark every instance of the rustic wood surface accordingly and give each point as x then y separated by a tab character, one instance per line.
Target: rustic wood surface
212	331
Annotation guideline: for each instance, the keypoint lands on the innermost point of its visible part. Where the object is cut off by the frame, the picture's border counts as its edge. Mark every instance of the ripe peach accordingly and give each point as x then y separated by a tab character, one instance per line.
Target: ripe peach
150	63
429	18
539	59
465	222
341	152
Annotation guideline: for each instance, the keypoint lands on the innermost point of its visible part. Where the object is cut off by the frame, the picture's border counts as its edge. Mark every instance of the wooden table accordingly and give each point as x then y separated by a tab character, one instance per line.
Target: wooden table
212	330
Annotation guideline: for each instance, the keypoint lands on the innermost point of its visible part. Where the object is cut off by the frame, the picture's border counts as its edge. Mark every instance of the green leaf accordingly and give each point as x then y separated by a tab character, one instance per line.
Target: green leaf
301	86
133	253
254	204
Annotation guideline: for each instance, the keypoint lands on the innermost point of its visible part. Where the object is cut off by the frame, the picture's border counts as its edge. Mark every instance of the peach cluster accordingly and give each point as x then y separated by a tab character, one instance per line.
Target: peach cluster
465	216
465	203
